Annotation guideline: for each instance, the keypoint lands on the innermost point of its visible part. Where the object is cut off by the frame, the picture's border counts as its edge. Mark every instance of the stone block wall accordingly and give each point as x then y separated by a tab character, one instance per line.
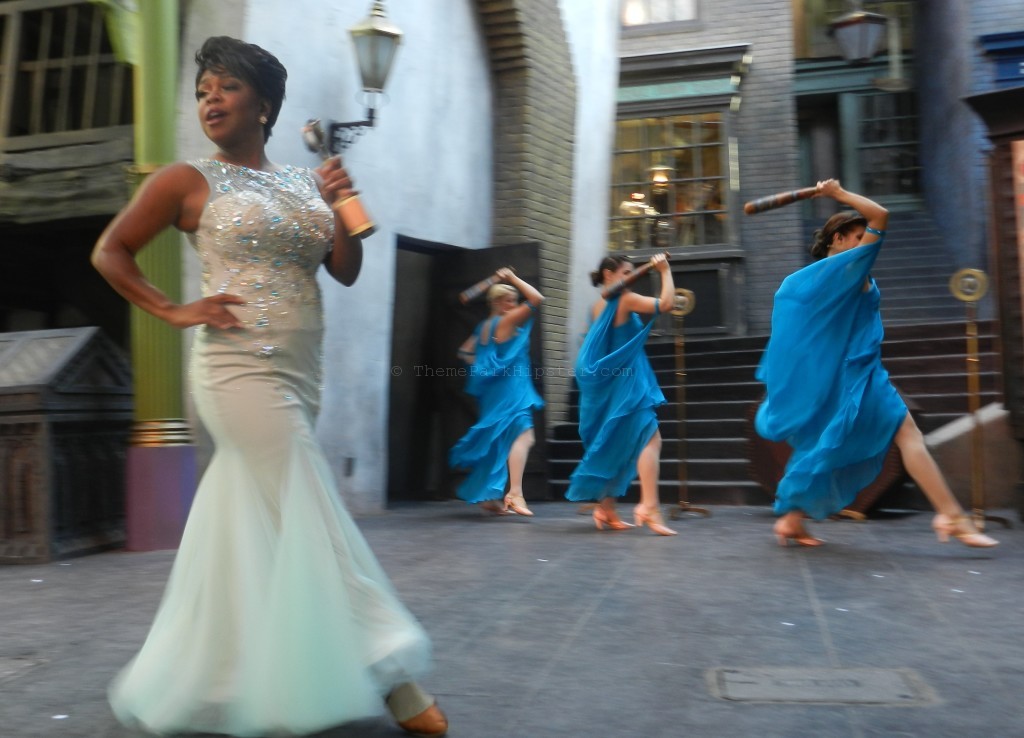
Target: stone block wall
534	123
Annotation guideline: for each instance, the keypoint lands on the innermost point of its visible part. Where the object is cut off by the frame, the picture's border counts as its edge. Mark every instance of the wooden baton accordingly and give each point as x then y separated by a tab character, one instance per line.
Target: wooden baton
471	293
617	287
778	200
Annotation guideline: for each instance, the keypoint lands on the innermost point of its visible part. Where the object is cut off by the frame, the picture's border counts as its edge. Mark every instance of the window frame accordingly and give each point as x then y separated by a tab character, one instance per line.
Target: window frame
673	26
680	179
26	73
722	68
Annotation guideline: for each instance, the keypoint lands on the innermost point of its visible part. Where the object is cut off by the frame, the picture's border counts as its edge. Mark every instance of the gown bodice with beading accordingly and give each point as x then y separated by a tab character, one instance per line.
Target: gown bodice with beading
262	236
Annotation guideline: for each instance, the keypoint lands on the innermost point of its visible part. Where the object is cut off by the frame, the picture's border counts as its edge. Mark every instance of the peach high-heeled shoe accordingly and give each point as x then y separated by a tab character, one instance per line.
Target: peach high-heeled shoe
602	518
517	504
961	527
799	536
652	519
493	507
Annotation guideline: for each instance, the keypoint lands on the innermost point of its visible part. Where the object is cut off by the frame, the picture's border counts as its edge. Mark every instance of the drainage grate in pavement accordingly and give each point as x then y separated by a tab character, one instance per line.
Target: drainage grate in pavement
12	668
823	686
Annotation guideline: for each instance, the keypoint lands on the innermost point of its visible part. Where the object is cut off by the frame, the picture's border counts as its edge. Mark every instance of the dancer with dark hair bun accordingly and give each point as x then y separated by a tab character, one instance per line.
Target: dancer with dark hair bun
495	449
277	618
618	396
841	416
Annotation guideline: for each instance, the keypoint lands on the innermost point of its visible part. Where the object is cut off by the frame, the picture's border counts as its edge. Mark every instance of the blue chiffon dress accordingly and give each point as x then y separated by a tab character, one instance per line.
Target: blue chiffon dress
501	379
828	394
618	394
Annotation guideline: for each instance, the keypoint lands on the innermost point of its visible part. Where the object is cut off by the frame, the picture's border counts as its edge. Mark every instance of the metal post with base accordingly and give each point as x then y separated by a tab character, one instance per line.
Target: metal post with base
683	304
969	286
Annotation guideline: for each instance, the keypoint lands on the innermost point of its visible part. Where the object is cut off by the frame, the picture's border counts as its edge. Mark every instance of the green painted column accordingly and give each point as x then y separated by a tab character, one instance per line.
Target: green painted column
156	346
161	460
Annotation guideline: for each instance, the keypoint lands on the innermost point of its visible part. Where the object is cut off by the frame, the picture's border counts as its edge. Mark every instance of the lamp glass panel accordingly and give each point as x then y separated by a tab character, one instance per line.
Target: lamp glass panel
375	54
860	41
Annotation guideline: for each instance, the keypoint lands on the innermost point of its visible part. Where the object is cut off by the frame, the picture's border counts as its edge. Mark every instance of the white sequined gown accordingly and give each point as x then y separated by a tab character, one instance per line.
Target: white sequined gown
277	619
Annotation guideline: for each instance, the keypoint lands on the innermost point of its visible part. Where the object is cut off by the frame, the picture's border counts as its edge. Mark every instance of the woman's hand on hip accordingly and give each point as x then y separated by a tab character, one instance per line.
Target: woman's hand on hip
211	311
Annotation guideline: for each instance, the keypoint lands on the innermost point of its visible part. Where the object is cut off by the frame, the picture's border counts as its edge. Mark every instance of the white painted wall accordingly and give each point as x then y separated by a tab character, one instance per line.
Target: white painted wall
424	171
593	30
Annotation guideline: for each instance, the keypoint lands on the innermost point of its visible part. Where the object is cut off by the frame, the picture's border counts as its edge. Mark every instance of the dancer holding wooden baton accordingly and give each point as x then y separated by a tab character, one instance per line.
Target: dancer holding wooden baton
618	395
495	449
828	394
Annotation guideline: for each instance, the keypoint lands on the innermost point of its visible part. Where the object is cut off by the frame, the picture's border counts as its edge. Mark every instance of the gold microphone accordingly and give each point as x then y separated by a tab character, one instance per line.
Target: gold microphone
350	209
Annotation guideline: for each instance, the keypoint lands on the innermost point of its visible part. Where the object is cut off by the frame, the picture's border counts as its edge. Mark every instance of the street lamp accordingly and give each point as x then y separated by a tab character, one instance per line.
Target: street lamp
859	34
376	41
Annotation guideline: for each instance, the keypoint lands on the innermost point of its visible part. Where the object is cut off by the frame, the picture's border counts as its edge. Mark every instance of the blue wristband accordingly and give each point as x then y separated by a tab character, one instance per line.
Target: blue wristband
874	231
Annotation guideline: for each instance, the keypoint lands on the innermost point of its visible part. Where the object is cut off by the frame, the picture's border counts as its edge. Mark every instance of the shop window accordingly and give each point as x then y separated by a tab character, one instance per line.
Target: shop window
647	12
669	182
61	76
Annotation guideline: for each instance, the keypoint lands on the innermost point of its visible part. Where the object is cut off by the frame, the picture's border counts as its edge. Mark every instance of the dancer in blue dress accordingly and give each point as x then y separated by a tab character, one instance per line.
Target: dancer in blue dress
277	618
618	396
828	394
496	448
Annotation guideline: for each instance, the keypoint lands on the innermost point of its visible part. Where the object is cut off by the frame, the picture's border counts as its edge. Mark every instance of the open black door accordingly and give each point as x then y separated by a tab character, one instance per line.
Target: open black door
429	411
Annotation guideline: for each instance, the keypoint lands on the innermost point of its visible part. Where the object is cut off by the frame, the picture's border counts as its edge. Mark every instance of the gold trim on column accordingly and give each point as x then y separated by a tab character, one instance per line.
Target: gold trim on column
164	432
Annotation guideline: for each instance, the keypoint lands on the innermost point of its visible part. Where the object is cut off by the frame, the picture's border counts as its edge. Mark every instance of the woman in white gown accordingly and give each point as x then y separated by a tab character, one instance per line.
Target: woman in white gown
277	618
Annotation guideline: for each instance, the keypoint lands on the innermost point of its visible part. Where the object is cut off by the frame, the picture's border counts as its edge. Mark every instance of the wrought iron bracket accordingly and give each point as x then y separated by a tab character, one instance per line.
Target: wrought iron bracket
341	135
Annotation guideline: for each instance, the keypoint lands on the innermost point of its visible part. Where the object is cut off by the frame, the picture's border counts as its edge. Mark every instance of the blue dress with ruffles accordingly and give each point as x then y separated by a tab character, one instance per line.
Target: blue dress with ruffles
618	395
501	379
828	395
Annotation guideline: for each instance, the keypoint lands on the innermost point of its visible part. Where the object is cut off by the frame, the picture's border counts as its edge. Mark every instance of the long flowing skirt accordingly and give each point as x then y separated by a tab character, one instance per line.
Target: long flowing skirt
277	618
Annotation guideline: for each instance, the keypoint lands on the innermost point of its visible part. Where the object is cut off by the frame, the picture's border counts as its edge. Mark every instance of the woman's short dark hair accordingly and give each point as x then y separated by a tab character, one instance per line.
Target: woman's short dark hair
253	65
841	223
611	263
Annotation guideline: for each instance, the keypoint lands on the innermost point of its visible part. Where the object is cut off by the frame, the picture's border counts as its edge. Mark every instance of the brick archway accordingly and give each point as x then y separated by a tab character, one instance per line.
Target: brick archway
534	135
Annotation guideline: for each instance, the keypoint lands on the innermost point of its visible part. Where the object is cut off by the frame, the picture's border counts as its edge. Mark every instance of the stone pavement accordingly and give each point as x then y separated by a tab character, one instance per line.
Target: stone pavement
546	627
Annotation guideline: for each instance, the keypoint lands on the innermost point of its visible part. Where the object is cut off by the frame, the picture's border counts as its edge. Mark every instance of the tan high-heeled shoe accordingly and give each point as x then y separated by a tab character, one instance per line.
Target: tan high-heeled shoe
406	705
652	519
961	527
602	518
799	536
493	507
517	504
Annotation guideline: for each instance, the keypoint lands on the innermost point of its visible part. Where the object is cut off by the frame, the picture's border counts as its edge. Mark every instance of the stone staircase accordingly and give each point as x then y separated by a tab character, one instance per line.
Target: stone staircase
927	362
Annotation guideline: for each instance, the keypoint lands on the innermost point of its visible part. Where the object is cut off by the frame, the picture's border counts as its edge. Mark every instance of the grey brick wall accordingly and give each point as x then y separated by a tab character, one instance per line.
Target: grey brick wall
952	65
534	93
766	130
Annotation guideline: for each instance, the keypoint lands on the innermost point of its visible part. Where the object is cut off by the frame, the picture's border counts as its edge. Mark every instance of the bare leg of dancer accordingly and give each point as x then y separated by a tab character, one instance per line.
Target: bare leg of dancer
648	512
922	468
517	456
